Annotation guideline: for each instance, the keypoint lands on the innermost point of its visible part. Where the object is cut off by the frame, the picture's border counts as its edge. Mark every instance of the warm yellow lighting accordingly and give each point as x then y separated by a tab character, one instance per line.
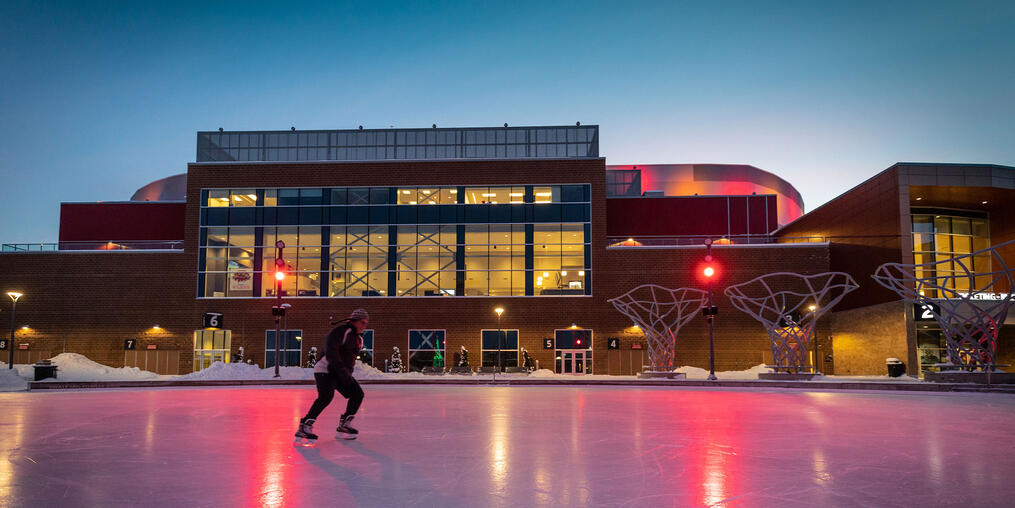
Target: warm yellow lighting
499	311
630	239
563	273
279	275
14	295
488	194
236	198
223	199
543	194
516	194
581	273
574	326
812	307
453	191
24	327
156	327
546	274
405	192
412	202
252	196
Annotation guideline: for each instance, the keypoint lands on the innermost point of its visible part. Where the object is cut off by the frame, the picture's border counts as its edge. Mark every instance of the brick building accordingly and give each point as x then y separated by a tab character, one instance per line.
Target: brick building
432	229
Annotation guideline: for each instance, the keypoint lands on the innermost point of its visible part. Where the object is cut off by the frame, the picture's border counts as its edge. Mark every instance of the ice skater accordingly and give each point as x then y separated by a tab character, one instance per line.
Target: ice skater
333	372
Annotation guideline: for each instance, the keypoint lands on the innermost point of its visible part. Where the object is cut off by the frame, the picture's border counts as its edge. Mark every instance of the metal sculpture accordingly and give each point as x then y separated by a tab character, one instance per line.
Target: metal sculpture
970	306
660	313
789	306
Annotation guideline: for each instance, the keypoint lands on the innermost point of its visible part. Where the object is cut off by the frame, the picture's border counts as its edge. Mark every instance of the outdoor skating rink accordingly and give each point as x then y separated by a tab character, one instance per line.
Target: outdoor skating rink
508	446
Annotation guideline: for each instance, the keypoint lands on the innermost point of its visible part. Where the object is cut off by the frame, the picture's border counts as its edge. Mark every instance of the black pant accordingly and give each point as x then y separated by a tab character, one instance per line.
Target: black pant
327	384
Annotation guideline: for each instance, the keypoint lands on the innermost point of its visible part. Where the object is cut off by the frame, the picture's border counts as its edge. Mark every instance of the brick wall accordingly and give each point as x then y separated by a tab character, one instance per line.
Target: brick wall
863	337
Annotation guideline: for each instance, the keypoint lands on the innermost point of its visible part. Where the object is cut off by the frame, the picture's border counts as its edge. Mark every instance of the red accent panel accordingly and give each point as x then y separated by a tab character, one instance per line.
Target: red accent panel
101	222
699	215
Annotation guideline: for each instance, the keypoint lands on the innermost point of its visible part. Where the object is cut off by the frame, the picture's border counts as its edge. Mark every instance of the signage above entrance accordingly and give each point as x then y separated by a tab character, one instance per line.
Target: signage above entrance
925	311
212	320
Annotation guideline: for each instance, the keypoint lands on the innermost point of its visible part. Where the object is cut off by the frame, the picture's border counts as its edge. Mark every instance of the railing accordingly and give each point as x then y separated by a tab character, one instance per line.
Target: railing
690	240
10	248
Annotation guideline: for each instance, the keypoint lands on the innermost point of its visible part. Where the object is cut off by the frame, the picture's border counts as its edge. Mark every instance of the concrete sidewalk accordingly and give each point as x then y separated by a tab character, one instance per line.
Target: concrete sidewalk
522	381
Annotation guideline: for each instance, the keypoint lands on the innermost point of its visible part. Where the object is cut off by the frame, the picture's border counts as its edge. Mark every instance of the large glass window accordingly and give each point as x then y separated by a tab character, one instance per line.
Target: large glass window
290	350
938	237
426	349
508	347
366	355
396	241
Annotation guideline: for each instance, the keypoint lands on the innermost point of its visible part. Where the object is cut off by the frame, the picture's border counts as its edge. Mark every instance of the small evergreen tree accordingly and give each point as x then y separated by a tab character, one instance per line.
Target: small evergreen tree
464	362
438	360
527	361
395	365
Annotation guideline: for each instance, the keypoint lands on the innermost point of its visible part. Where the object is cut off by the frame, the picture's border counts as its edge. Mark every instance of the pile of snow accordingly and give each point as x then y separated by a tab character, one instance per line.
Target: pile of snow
76	367
364	371
749	374
11	380
543	373
219	371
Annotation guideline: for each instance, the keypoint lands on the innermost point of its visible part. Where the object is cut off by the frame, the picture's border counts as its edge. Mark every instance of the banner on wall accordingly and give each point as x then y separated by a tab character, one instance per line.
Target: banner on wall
241	280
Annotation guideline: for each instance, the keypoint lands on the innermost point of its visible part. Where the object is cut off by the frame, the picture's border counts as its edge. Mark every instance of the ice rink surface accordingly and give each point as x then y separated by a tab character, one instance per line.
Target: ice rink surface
508	446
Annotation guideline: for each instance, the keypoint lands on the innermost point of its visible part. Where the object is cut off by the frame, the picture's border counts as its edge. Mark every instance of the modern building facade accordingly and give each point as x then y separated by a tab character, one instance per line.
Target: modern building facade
432	229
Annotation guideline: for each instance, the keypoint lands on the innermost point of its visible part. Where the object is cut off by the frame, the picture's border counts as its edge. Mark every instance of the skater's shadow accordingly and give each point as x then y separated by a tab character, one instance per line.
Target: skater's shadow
396	481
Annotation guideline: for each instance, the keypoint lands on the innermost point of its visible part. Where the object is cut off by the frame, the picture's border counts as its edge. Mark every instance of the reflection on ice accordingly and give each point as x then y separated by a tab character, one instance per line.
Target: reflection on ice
500	446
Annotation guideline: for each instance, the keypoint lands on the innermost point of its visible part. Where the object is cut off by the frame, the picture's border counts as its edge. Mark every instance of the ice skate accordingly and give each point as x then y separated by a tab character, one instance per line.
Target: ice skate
305	433
344	431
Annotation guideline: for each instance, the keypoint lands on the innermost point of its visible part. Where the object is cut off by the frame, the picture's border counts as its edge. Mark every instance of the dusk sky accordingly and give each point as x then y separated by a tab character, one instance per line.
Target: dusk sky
101	98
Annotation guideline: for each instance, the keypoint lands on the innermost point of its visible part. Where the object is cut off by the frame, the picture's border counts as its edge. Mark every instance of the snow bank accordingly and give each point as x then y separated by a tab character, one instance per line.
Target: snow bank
749	374
543	373
76	367
11	380
219	371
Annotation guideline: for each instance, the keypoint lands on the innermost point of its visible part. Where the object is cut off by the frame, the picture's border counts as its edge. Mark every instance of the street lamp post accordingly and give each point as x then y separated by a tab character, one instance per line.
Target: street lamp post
499	311
14	308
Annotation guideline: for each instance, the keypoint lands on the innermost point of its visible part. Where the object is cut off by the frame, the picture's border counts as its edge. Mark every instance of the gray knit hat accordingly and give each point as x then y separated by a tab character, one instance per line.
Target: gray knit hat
358	314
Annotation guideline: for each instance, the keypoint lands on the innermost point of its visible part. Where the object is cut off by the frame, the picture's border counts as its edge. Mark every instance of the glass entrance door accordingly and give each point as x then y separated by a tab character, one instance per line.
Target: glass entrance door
572	362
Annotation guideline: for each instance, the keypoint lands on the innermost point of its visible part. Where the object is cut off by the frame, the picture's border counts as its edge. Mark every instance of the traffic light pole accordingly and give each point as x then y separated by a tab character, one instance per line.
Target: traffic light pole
710	316
278	310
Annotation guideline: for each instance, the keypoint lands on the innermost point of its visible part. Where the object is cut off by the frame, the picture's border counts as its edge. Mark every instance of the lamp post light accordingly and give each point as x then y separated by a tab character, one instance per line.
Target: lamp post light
14	308
499	311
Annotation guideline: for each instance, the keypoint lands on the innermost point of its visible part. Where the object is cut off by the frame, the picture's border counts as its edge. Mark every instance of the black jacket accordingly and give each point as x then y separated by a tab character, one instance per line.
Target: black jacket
341	347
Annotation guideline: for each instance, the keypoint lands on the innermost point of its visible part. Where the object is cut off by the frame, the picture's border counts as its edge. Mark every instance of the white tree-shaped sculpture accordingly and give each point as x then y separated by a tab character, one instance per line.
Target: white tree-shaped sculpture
971	295
789	306
660	313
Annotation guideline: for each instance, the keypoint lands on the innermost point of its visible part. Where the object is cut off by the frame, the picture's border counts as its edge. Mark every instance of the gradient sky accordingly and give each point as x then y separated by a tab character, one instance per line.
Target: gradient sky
98	99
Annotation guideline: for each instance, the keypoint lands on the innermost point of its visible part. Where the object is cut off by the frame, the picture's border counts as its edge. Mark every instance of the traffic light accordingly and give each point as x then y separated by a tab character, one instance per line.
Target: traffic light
280	269
708	269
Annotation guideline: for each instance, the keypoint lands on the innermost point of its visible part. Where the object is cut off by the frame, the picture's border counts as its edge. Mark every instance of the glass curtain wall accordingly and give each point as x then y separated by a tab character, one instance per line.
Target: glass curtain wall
938	237
396	241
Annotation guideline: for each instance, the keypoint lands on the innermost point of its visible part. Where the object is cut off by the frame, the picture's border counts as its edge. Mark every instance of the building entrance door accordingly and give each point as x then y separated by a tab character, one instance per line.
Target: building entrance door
571	361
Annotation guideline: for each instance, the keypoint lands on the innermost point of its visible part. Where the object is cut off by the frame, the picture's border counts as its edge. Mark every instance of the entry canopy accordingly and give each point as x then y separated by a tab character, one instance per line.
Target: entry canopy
970	303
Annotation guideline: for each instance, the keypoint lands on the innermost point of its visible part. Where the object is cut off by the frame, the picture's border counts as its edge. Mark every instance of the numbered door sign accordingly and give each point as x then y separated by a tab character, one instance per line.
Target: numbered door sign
547	343
212	320
925	311
3	344
129	344
612	343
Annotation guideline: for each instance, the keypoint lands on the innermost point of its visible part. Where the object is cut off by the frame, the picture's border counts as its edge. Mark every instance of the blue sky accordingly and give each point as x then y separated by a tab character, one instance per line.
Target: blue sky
101	98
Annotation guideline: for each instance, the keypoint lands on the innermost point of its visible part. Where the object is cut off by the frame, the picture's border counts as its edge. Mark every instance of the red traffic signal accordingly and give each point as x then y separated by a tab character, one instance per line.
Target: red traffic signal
279	269
709	271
